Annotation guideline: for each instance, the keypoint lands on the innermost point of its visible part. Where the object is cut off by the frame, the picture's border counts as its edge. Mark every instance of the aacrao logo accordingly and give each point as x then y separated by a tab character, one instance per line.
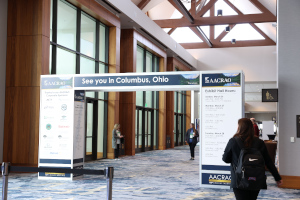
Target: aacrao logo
217	80
219	179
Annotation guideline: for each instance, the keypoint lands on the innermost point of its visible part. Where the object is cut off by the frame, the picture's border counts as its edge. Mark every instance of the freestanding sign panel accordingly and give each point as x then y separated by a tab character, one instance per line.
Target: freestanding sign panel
58	132
221	107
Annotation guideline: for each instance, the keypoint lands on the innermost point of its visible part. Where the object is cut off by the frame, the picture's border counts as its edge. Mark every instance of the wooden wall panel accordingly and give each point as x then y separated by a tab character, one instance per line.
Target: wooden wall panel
22	125
27	58
188	109
128	99
113	97
170	105
127	117
162	128
292	182
30	17
24	58
162	125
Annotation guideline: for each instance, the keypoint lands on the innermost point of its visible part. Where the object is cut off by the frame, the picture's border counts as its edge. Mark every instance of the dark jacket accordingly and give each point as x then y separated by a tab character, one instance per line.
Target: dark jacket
187	136
232	152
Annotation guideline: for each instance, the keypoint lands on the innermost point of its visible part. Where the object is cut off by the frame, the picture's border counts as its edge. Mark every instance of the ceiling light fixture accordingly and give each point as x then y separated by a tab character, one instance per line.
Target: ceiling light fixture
233	41
219	13
227	29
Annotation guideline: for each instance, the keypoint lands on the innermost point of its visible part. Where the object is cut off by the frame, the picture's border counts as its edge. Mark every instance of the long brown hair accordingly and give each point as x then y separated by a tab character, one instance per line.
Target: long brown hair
245	131
193	126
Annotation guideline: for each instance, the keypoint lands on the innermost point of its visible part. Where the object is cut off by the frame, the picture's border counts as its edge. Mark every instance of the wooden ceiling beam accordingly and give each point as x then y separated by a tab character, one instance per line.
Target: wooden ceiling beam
143	4
193	8
171	31
202	36
248	43
184	11
200	3
175	6
206	21
212	28
206	8
224	33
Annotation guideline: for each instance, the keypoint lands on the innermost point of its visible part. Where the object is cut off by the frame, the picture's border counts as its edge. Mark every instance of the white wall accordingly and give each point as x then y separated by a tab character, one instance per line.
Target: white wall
3	37
261	116
258	63
288	85
260	107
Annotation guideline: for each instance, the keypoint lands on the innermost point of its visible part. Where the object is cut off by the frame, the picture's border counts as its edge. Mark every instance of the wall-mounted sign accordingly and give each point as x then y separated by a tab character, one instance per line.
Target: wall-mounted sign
298	125
269	95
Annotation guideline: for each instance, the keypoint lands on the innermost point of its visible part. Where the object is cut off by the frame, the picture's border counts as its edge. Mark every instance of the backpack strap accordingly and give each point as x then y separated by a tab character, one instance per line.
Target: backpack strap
239	142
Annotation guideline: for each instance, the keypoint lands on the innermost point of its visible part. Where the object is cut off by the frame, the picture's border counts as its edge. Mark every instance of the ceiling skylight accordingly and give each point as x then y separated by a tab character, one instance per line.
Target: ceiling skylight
205	29
166	29
243	32
227	10
219	29
185	35
245	6
177	14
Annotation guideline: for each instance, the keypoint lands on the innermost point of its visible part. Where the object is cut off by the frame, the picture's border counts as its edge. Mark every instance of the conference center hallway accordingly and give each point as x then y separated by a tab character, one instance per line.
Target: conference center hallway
152	175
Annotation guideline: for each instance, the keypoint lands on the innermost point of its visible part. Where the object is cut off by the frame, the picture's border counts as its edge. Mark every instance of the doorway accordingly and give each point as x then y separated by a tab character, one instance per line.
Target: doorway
95	135
179	129
144	130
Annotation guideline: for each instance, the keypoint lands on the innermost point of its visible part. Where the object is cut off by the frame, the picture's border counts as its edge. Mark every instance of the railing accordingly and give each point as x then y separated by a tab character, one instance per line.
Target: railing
6	168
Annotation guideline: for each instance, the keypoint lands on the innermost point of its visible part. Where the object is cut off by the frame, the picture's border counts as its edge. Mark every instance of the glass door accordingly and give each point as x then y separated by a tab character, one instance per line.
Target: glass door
91	130
144	129
179	132
149	125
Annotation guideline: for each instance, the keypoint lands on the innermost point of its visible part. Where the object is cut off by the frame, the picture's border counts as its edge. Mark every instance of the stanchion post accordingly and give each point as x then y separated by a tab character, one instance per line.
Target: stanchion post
109	178
5	172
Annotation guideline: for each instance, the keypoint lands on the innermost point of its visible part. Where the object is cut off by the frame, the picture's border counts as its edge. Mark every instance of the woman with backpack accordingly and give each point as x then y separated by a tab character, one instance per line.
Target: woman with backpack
248	155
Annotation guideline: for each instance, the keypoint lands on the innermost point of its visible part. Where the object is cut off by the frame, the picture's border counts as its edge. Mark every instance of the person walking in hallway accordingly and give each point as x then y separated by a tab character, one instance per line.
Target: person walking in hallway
256	130
191	138
116	140
245	138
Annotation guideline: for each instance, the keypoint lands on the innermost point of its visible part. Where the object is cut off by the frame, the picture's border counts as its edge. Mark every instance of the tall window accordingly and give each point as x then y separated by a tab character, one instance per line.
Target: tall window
179	117
146	130
79	45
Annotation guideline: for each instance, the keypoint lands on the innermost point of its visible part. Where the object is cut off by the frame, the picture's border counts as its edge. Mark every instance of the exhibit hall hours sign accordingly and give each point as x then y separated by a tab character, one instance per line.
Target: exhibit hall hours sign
221	105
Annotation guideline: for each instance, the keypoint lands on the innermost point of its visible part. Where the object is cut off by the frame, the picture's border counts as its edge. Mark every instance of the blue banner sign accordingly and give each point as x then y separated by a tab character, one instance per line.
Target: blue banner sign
137	80
221	79
216	179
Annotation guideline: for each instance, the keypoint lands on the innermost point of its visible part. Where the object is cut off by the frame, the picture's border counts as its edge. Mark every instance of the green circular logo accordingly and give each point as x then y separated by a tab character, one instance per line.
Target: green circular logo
48	126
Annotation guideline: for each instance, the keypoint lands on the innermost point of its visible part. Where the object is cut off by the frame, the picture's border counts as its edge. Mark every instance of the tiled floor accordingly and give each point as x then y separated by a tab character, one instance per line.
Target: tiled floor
167	174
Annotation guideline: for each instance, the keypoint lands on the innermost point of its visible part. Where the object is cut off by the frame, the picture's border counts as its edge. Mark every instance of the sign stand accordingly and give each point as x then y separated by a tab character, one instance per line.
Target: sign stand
221	105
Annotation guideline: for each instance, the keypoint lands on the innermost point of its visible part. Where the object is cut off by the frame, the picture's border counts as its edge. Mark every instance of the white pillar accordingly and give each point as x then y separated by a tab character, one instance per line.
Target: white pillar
288	51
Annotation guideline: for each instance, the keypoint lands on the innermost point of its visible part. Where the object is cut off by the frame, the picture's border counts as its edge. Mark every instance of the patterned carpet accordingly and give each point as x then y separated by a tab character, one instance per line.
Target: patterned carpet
167	174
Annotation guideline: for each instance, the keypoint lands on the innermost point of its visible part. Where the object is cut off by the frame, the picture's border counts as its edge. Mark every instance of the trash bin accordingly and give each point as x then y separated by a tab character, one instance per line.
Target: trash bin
168	142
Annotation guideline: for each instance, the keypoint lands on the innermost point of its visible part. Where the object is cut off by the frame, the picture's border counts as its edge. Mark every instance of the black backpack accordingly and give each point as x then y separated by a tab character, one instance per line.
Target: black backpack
250	169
